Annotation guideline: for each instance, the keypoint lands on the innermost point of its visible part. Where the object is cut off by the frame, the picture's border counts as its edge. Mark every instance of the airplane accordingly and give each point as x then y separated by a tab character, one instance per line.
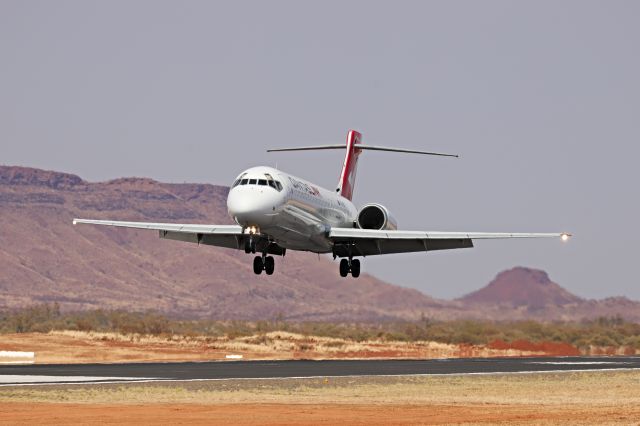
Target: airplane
275	212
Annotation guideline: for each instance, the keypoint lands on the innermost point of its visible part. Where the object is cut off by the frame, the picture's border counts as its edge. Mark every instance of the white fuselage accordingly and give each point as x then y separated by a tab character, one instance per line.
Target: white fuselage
291	211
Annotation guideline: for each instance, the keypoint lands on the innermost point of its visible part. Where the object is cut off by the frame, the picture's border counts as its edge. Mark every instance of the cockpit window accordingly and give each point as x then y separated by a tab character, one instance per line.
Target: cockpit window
239	181
269	181
273	183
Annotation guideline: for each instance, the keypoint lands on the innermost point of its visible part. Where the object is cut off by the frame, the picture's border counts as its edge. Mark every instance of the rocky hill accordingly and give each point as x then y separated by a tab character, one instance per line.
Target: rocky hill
524	293
522	287
43	258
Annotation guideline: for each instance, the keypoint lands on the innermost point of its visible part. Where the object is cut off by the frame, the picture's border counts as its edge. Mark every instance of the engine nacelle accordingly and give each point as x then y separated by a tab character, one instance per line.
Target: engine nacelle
376	216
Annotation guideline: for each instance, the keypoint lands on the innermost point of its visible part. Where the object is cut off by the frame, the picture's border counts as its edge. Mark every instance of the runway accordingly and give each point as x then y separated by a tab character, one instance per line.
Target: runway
220	370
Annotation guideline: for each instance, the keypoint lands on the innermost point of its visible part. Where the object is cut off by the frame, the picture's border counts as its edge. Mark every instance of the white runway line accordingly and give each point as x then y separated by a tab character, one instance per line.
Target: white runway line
579	362
27	379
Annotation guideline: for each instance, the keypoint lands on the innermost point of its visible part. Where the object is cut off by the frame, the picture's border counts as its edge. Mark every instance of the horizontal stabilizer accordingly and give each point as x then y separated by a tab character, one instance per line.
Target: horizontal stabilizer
307	148
408	151
362	147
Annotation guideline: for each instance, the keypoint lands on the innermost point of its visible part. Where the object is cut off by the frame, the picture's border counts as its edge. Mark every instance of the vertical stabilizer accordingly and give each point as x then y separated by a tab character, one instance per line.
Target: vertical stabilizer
348	174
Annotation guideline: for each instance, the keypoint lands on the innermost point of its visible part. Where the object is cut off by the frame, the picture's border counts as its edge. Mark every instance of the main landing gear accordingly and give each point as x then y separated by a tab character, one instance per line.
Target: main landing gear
264	263
350	265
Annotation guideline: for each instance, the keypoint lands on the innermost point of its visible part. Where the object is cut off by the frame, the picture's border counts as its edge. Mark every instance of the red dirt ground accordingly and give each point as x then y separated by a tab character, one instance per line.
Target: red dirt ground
548	348
298	414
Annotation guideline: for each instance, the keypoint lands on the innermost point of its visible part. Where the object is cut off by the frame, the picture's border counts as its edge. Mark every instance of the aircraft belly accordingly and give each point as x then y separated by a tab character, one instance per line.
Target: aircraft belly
304	220
294	239
296	229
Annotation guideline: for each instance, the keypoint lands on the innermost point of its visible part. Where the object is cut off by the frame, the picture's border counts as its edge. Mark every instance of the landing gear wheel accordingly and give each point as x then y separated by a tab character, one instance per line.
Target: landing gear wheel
355	268
258	266
344	267
269	265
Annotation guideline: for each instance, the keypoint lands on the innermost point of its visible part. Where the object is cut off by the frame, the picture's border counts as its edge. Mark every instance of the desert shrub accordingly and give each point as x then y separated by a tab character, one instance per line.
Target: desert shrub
610	331
602	340
632	341
236	329
303	347
260	339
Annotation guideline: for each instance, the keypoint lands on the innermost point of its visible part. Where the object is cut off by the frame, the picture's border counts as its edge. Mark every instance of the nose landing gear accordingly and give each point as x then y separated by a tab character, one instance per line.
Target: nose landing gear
251	240
350	265
254	241
250	245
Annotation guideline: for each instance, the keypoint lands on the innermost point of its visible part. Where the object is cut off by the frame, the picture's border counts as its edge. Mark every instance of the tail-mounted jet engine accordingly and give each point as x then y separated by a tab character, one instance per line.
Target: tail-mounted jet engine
376	216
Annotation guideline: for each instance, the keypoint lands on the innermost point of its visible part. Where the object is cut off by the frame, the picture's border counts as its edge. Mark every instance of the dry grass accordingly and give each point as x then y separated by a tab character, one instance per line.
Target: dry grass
88	347
618	388
533	399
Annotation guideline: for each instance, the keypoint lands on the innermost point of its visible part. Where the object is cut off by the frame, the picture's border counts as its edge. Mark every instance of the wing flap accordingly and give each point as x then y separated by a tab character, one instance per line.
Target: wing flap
233	241
371	246
368	242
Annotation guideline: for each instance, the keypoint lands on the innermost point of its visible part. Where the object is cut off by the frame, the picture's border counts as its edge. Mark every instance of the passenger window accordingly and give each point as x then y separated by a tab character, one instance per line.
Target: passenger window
262	182
244	181
252	181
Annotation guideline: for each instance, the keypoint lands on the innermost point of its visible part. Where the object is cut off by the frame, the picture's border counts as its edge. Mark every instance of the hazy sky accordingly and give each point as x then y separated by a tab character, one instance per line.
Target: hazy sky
541	99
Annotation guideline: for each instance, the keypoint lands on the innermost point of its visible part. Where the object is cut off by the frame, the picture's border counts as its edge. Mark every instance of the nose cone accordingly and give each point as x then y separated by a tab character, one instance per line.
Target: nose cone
238	202
252	205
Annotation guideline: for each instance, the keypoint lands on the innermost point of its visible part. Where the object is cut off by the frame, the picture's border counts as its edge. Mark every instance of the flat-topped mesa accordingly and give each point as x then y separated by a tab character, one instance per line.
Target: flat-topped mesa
132	181
524	276
15	175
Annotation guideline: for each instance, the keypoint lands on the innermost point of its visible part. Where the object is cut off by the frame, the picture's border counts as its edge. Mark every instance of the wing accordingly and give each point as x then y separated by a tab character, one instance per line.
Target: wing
368	242
229	236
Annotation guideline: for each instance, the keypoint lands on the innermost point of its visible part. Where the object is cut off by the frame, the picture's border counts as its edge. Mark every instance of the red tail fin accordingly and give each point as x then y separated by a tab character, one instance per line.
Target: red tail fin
348	175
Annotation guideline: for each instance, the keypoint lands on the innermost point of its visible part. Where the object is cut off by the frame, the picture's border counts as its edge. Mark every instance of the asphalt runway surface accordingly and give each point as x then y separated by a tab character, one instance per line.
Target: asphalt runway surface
181	371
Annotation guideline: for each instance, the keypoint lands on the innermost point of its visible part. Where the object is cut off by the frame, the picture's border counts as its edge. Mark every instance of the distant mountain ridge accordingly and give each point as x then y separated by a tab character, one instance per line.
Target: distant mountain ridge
43	258
36	177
